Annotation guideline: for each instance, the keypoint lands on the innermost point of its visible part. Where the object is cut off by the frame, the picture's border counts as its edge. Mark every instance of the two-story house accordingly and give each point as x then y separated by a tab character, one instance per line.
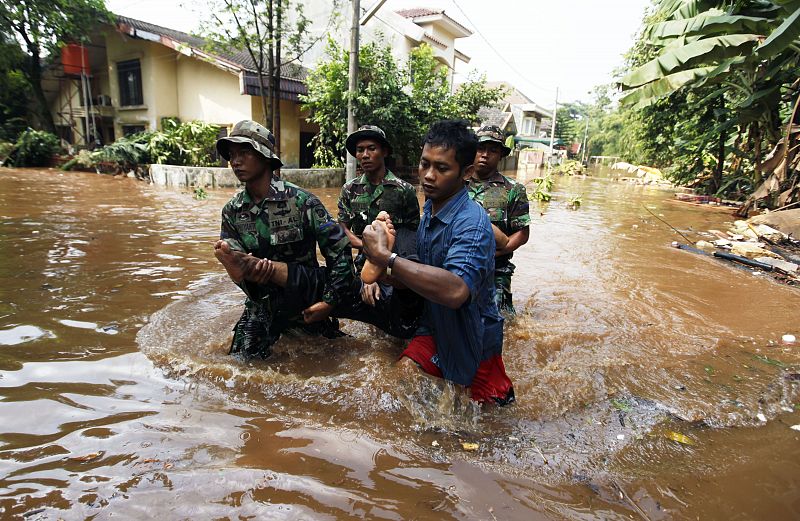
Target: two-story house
132	74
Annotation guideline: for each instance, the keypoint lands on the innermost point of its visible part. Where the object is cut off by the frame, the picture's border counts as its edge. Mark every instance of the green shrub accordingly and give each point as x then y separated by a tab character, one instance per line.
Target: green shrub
125	153
36	148
182	144
6	151
84	159
541	190
569	167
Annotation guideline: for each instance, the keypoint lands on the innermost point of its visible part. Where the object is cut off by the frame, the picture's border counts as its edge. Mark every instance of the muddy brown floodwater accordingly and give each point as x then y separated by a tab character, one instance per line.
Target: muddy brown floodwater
651	382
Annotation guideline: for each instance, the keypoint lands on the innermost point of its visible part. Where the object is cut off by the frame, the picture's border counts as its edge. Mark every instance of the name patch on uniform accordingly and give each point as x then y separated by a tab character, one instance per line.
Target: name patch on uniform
245	223
285	224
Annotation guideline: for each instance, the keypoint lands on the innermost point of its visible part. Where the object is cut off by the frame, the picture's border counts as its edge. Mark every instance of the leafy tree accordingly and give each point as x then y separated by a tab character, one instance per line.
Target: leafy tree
274	33
402	99
41	27
471	96
14	90
570	123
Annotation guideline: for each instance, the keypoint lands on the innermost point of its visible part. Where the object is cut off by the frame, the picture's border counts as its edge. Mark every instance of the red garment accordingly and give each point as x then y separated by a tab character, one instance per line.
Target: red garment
490	382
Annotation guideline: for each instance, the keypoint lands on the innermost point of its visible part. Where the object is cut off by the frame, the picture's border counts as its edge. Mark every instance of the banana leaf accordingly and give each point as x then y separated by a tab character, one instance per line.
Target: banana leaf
707	24
708	49
653	91
789	5
678	9
781	37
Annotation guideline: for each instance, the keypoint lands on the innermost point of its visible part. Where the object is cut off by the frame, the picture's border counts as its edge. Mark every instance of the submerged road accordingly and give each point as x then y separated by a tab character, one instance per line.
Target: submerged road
651	382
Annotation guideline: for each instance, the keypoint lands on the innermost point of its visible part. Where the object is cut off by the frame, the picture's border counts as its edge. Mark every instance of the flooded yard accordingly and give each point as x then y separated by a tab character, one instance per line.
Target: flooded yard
651	383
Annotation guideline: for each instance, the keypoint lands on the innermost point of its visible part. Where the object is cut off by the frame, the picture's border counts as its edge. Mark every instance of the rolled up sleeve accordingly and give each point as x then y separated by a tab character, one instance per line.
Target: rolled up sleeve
472	244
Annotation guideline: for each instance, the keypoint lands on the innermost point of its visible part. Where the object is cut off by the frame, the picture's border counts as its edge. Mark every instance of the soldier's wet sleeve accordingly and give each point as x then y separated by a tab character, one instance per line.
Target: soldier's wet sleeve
345	209
411	209
228	232
335	247
518	208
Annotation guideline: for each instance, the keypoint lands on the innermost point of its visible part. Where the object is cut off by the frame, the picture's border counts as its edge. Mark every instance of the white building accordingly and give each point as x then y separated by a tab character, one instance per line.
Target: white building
400	25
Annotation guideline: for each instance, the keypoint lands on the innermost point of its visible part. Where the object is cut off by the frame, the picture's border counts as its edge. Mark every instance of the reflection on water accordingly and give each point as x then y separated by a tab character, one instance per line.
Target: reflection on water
636	365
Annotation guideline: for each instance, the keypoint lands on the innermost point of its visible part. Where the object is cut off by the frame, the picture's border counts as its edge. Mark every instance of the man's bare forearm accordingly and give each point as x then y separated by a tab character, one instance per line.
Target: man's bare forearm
515	241
435	284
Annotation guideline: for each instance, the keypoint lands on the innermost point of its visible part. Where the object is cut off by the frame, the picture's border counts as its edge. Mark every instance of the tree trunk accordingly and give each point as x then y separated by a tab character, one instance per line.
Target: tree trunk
276	97
261	88
270	63
35	79
720	154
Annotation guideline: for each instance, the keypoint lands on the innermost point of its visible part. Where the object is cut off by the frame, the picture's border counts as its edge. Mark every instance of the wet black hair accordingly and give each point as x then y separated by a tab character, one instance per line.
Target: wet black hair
455	134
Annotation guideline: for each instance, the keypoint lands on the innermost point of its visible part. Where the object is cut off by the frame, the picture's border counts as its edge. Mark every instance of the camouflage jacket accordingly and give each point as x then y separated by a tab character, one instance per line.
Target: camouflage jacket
358	207
287	226
505	200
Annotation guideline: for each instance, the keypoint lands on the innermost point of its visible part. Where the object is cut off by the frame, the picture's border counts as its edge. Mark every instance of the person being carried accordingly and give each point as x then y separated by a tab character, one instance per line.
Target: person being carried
268	241
506	203
460	336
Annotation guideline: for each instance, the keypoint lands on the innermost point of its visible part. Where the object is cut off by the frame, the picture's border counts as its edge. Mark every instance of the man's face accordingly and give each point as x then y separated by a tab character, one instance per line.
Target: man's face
370	155
247	164
439	173
487	157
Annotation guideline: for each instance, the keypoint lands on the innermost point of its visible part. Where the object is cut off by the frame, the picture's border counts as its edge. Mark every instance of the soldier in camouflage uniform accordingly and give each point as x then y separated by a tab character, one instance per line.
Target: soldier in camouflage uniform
393	309
376	190
506	202
268	241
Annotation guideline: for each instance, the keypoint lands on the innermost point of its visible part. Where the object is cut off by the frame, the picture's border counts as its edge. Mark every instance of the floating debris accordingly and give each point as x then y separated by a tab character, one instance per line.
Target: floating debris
470	446
677	436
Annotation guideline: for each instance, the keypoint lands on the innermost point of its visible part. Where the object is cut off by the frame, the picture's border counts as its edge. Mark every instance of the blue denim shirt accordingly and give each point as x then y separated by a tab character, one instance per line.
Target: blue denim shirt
459	239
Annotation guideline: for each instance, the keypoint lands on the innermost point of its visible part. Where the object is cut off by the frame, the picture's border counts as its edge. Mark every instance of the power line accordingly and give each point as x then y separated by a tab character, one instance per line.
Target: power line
499	55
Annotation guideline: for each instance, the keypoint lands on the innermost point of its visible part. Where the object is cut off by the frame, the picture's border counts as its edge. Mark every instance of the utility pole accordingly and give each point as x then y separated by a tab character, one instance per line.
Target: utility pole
352	90
553	126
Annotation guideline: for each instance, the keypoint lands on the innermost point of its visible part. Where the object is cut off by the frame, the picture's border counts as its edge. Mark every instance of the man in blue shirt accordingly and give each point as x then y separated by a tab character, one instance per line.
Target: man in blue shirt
460	337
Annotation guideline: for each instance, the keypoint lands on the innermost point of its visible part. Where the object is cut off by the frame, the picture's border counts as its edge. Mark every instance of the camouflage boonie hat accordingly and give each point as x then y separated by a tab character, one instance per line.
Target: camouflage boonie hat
255	135
495	135
367	132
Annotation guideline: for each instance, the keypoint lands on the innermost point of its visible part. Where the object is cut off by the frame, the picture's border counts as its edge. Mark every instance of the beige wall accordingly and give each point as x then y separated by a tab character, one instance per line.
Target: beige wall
175	85
292	123
210	94
159	81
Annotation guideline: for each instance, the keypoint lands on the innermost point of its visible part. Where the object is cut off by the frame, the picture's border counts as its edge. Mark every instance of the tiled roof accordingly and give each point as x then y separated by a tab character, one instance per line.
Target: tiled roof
419	12
237	57
494	116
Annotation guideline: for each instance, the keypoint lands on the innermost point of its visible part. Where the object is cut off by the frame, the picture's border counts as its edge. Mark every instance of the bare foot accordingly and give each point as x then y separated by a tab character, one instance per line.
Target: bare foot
370	273
235	262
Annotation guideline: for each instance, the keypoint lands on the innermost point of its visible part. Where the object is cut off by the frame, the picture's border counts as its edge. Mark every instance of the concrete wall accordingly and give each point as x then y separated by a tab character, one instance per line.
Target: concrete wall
214	177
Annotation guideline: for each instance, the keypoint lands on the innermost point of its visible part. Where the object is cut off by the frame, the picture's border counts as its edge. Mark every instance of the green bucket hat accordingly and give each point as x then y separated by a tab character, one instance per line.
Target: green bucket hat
495	135
366	132
255	135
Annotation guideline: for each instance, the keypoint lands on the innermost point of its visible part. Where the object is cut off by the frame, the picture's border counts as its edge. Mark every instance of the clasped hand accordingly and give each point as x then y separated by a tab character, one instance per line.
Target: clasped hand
376	242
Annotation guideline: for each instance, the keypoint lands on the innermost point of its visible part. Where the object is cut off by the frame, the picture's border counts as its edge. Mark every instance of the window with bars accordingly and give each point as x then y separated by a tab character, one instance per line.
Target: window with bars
130	83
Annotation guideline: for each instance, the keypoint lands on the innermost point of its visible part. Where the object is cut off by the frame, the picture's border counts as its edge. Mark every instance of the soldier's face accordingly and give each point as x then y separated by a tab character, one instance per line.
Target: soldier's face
487	158
440	174
247	164
370	155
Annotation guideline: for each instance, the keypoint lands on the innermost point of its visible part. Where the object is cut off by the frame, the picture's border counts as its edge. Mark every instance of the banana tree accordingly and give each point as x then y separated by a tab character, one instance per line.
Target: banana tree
741	58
